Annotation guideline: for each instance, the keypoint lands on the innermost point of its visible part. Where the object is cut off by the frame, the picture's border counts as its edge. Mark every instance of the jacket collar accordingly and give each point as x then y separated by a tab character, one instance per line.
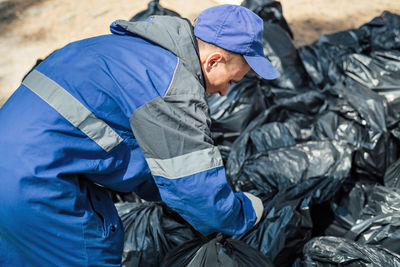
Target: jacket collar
172	33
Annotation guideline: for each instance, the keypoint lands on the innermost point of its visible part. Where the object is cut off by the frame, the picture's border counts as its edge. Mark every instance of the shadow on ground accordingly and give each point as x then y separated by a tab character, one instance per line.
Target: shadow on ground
13	9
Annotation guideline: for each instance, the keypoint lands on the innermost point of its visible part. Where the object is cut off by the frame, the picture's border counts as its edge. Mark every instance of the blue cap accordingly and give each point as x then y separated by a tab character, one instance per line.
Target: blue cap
239	30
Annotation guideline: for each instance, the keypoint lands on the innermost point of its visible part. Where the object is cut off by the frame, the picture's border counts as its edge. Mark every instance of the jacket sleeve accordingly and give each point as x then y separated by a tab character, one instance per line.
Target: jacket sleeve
173	134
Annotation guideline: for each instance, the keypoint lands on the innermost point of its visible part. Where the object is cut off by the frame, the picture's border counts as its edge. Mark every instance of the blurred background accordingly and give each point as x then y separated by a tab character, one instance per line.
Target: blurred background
32	29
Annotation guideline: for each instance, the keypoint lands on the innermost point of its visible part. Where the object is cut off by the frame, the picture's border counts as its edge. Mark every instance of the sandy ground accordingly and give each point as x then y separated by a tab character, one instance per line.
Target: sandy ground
31	29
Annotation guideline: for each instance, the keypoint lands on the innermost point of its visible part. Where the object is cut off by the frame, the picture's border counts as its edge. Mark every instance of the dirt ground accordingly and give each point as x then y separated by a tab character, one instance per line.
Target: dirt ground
31	29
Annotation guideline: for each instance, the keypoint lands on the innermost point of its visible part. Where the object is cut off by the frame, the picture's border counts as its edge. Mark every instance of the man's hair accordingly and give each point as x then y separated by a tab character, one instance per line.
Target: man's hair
204	45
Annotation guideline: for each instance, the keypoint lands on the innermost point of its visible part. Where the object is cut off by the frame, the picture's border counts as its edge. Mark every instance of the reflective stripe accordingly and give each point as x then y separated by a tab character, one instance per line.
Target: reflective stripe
187	164
72	110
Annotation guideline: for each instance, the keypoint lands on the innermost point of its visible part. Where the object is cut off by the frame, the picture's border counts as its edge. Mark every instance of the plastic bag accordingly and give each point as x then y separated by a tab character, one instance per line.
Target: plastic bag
382	32
299	109
392	175
368	214
335	251
360	117
346	208
219	251
287	223
368	56
379	220
278	169
151	230
270	11
320	59
153	8
378	71
121	197
279	49
303	149
231	113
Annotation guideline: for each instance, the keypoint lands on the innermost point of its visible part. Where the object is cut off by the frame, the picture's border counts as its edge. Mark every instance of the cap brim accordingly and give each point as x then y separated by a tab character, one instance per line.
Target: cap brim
262	67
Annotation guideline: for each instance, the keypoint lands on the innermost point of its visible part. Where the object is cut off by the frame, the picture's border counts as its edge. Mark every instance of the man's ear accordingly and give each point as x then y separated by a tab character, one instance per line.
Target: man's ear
213	60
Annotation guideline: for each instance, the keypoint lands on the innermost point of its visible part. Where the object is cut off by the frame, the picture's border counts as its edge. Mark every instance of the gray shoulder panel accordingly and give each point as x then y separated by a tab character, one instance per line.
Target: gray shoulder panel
164	129
174	131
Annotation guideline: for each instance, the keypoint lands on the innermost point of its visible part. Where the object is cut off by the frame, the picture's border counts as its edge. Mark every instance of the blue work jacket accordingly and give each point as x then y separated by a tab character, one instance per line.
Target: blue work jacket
125	111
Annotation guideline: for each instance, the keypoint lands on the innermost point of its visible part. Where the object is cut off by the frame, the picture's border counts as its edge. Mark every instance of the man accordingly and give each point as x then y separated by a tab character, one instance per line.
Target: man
126	111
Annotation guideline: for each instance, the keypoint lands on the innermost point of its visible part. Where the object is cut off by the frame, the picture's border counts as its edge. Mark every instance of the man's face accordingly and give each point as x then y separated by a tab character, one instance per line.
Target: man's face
219	72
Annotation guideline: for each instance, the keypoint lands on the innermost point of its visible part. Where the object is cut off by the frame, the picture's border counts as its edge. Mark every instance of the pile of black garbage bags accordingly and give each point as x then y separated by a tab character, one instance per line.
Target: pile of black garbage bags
319	145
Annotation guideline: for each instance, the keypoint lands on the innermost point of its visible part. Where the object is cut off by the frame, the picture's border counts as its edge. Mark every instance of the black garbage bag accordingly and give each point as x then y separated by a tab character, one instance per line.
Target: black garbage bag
368	55
299	109
368	214
382	230
307	143
291	181
392	175
215	252
354	119
360	105
381	33
334	251
153	8
279	49
277	150
378	71
320	59
120	197
231	113
151	230
321	130
360	117
347	207
256	173
277	169
379	221
287	224
270	11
